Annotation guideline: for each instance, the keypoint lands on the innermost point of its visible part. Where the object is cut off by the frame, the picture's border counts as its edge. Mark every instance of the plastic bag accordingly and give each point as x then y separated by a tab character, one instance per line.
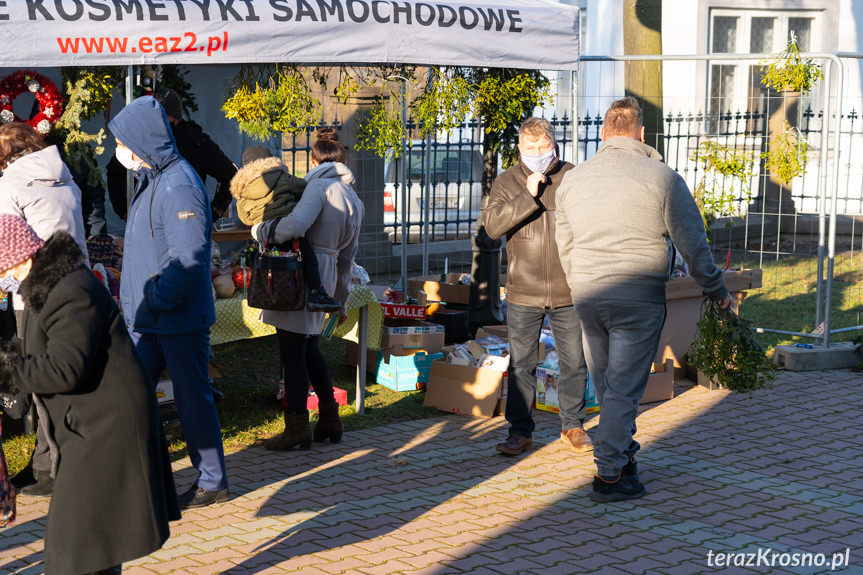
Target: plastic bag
551	360
359	276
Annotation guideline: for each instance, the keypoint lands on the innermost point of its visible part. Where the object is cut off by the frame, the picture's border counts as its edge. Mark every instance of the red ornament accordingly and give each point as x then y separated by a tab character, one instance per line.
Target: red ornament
43	89
241	276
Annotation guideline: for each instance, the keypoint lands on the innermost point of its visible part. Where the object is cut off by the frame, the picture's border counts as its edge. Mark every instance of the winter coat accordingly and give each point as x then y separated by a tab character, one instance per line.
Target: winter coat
166	287
329	215
197	148
208	160
113	492
39	188
618	215
534	276
265	190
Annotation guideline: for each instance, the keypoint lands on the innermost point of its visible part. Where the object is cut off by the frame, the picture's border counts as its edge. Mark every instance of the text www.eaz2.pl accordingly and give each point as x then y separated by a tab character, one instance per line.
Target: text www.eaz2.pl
188	42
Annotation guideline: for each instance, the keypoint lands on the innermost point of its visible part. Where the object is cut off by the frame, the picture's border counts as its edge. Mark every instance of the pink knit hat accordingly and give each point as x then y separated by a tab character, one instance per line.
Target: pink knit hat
18	241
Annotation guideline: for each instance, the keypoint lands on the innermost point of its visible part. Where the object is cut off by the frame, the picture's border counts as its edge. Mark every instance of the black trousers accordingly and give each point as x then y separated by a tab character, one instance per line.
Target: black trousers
310	265
303	363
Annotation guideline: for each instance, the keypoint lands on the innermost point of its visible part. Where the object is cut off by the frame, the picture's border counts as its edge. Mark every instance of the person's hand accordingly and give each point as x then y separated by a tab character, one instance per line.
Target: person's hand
343	317
726	302
533	182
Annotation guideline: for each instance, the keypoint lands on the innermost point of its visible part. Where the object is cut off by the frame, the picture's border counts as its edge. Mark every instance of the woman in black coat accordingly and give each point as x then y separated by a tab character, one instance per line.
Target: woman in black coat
114	492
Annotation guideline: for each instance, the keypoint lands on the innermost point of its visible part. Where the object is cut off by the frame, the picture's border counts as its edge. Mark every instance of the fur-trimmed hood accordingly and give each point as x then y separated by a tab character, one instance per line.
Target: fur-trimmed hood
251	172
58	257
265	190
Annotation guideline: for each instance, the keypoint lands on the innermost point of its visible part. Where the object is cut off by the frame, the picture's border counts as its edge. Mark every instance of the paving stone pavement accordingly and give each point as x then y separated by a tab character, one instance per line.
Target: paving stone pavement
775	475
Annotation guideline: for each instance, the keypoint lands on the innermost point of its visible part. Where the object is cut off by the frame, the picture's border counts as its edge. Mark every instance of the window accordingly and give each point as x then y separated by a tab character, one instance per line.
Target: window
735	86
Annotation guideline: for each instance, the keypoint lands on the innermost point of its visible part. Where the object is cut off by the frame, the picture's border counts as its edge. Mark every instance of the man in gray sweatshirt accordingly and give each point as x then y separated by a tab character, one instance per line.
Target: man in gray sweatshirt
618	215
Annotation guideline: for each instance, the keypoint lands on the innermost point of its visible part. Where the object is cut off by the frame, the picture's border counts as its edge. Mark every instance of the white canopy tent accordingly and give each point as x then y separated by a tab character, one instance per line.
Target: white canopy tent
528	34
534	34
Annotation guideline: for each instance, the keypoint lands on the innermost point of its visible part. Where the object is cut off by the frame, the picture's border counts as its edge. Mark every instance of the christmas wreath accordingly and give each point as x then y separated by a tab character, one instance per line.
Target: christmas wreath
45	91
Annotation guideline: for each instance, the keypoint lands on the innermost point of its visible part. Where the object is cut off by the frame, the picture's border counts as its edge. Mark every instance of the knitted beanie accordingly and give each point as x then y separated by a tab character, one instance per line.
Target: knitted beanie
253	153
173	105
18	241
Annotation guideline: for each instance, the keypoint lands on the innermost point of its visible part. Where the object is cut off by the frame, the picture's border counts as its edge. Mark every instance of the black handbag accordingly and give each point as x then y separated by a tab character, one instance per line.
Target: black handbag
277	281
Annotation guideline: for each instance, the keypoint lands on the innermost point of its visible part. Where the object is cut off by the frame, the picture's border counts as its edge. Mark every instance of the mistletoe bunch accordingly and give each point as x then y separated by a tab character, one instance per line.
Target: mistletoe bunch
725	350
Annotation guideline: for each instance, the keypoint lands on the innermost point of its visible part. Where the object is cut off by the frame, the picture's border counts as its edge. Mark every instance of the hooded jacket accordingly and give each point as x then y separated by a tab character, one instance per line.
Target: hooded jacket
166	287
618	215
39	188
534	276
114	490
265	190
329	215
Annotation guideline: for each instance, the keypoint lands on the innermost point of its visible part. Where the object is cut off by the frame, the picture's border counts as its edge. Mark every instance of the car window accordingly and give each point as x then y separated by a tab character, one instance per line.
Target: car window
448	166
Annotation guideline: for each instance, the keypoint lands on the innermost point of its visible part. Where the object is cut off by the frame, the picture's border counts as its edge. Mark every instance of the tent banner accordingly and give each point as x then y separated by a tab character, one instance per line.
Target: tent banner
533	34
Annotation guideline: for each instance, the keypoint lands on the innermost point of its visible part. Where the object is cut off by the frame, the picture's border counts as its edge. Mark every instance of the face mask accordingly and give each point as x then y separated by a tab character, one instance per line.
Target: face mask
539	163
124	156
9	284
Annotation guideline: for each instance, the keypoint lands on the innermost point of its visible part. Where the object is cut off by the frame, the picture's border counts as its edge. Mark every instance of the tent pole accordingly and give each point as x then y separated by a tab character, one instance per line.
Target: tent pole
405	194
574	119
428	193
129	180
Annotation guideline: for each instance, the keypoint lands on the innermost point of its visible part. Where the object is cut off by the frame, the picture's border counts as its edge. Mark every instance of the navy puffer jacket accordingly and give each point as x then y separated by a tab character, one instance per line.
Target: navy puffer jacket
166	286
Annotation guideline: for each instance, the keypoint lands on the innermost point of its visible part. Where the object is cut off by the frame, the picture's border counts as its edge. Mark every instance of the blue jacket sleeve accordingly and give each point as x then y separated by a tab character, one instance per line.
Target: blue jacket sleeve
186	216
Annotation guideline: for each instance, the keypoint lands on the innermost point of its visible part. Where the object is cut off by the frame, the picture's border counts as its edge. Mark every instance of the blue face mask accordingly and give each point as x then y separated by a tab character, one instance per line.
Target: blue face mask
9	284
539	163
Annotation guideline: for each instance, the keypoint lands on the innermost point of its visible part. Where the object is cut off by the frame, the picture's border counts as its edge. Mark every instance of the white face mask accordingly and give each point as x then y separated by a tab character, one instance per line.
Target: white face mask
9	283
539	163
124	156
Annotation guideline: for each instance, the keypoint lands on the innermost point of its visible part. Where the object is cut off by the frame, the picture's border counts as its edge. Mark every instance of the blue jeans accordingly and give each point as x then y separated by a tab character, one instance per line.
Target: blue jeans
186	355
525	325
620	341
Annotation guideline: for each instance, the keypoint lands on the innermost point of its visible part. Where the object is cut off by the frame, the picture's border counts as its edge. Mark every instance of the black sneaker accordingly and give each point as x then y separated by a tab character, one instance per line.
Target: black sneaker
43	488
320	301
619	489
630	470
23	478
200	497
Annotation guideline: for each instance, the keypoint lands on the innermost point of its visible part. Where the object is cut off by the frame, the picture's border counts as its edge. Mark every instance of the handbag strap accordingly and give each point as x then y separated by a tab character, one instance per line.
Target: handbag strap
271	239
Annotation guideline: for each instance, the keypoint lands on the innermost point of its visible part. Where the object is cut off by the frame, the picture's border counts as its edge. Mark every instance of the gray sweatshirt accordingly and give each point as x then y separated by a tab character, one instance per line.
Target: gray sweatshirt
617	217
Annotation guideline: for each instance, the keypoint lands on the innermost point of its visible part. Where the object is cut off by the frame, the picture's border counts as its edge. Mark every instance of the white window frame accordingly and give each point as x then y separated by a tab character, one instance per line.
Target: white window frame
740	96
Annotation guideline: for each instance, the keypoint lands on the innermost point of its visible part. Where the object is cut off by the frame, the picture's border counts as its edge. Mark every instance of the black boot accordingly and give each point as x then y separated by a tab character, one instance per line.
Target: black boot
297	433
329	425
319	301
24	477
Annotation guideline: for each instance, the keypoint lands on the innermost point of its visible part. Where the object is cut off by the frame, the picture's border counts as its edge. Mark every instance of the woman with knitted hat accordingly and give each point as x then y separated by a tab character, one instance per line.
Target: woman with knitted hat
113	491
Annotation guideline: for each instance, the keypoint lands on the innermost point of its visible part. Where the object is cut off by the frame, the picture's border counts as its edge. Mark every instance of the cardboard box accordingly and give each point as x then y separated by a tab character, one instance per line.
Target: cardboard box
683	306
502	331
455	322
450	291
412	334
660	383
546	391
466	390
406	373
375	357
660	386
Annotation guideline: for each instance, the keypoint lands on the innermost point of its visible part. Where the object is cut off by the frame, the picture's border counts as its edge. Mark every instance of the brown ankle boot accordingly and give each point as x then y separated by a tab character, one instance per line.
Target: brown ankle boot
297	433
329	425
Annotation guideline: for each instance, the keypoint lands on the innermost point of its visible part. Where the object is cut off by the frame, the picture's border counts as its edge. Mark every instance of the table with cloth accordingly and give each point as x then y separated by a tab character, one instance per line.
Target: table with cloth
236	320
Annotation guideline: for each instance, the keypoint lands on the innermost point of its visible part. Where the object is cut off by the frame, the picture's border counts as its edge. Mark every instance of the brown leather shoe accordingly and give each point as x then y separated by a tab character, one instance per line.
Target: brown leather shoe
515	444
577	439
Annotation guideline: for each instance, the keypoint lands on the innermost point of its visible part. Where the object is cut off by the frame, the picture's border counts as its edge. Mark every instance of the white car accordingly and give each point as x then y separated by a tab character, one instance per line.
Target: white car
456	177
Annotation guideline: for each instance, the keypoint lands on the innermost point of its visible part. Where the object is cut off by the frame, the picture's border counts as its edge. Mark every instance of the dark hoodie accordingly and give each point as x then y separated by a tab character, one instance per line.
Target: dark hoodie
166	284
